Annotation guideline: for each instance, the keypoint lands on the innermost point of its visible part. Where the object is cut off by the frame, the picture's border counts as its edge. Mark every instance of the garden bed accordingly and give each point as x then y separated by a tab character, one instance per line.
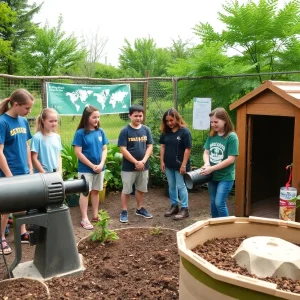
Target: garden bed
142	264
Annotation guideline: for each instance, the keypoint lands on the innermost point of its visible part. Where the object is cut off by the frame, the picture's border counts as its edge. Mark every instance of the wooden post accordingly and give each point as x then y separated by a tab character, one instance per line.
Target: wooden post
175	93
296	157
240	181
44	100
146	89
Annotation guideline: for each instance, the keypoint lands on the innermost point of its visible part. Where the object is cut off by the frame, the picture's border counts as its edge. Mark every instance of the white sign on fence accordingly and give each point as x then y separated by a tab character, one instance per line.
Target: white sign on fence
201	110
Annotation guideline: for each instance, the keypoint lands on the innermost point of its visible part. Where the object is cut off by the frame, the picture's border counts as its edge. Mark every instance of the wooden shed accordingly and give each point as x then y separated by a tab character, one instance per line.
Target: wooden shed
268	127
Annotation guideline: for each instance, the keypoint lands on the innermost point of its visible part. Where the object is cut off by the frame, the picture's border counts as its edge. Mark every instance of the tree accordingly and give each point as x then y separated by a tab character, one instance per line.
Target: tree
94	46
107	71
51	52
7	17
180	49
143	56
17	31
211	59
259	33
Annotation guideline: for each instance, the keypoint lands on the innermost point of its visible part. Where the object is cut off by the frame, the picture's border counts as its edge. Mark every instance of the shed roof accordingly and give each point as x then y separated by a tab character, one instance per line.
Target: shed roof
288	90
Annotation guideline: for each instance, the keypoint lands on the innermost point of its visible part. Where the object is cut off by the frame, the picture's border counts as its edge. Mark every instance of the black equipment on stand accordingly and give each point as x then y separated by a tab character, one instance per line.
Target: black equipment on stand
42	195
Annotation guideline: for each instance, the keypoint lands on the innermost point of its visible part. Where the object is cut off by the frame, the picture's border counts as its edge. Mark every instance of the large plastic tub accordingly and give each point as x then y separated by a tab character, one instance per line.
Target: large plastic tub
199	279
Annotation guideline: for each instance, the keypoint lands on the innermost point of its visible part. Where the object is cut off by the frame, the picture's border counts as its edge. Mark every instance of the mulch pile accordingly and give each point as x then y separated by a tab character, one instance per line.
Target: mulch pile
219	253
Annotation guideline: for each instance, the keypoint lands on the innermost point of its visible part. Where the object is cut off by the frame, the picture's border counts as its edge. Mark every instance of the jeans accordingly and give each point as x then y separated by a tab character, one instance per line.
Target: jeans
218	193
177	185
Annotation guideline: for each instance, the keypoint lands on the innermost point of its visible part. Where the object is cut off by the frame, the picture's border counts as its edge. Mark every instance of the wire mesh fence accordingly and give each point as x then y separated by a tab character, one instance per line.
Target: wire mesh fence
156	94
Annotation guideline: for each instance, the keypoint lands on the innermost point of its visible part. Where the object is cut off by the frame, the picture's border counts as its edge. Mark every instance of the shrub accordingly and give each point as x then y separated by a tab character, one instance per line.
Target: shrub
113	167
102	234
69	162
155	172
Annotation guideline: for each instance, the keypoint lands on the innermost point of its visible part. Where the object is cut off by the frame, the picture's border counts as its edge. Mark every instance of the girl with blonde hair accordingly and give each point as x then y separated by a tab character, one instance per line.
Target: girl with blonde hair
46	143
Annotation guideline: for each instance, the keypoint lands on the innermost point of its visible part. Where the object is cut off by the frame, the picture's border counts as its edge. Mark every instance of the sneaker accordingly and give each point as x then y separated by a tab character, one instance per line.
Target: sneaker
25	238
124	216
143	213
173	210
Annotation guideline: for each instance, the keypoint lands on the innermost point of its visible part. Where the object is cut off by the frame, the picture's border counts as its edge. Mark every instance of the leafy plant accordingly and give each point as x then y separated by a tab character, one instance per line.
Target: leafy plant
101	232
69	162
113	167
157	230
155	172
297	200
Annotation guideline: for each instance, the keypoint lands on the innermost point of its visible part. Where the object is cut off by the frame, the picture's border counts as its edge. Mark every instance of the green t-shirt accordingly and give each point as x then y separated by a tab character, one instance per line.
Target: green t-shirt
220	148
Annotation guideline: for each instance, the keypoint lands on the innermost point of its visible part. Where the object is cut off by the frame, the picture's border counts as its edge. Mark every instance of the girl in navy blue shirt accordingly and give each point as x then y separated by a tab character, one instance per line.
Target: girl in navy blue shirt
175	148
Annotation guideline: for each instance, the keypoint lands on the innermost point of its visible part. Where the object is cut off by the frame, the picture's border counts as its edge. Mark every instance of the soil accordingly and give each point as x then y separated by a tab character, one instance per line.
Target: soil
219	253
22	288
140	265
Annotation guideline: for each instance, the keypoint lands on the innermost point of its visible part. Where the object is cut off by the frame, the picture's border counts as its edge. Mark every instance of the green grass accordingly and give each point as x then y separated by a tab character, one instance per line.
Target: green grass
112	124
37	107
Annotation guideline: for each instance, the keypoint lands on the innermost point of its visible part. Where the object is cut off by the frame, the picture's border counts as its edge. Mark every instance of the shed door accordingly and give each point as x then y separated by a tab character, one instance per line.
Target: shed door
249	165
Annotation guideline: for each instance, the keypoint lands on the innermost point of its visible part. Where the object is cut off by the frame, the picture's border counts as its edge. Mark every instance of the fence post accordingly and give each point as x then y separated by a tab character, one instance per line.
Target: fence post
175	92
146	89
44	100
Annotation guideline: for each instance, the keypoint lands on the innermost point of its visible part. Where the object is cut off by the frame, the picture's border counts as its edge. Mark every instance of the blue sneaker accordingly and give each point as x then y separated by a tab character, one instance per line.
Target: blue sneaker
124	216
143	213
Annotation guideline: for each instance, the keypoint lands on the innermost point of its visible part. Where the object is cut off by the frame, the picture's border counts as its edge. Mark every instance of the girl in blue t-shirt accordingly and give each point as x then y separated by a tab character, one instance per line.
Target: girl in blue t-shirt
14	147
46	143
90	147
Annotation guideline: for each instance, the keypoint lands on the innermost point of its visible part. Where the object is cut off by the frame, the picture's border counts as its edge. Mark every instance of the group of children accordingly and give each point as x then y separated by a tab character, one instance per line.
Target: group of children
17	157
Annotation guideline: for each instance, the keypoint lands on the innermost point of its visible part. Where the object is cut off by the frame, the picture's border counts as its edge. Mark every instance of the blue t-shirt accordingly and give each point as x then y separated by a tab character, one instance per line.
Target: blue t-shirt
175	145
91	144
48	148
14	134
136	141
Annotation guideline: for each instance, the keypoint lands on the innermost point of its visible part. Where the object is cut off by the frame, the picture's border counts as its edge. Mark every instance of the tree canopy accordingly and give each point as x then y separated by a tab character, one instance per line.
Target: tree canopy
259	34
7	18
143	56
19	28
51	52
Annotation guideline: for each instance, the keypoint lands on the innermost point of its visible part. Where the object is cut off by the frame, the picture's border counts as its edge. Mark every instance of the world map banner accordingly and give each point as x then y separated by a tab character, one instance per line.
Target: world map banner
71	99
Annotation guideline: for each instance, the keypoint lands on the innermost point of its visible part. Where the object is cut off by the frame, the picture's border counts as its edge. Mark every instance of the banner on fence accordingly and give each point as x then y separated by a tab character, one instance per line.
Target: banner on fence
71	99
201	110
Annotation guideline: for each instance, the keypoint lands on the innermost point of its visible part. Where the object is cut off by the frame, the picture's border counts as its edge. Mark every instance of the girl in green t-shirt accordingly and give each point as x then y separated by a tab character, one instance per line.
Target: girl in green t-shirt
220	151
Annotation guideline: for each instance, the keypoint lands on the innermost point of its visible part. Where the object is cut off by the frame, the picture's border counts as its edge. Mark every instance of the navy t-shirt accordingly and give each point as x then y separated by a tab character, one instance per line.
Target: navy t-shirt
175	145
14	134
136	141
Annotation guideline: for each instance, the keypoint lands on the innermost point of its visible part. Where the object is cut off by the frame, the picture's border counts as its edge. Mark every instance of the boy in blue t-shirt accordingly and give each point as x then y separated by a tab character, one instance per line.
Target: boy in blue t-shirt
136	145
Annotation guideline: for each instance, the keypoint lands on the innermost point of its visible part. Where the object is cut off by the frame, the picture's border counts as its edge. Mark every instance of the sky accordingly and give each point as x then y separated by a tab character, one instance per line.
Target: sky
162	20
